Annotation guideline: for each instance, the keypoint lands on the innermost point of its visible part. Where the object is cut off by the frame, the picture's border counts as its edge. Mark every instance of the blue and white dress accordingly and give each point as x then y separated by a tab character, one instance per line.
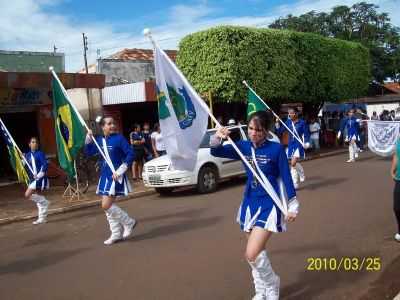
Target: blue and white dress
38	163
352	128
258	208
117	150
302	132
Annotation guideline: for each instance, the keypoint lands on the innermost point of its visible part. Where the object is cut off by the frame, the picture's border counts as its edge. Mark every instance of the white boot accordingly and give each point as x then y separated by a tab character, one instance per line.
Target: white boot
295	177
266	282
42	204
356	150
115	227
127	222
351	153
300	171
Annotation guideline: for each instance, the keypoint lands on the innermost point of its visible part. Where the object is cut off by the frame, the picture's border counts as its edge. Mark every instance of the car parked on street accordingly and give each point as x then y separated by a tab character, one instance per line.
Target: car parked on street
209	170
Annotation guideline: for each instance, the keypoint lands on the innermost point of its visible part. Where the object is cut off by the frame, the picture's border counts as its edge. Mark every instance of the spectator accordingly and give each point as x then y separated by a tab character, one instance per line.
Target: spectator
157	142
314	134
148	147
231	122
392	115
374	116
137	142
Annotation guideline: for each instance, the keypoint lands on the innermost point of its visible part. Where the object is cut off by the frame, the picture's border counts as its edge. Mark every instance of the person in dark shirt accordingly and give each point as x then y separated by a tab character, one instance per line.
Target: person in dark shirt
138	143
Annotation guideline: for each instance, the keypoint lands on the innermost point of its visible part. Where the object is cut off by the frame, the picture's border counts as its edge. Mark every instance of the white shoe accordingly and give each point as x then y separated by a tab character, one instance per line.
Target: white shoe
350	161
128	229
259	297
39	221
272	291
397	237
112	239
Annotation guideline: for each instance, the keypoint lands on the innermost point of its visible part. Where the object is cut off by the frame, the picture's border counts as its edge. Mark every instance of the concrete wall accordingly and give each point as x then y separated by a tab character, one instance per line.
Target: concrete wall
80	99
25	61
132	71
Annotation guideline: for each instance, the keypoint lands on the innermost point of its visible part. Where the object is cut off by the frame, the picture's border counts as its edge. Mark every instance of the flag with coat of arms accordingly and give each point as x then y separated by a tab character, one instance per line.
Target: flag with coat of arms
183	114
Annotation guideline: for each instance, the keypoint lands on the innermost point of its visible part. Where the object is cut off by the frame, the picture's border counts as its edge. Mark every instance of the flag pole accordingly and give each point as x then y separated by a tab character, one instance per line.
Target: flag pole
275	115
16	146
109	163
266	185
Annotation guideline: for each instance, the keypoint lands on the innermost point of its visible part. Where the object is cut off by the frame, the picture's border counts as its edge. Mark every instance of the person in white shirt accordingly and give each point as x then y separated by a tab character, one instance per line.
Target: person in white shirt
157	142
314	134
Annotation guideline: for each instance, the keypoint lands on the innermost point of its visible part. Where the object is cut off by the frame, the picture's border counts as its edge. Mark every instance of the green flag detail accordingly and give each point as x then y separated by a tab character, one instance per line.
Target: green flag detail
253	104
70	134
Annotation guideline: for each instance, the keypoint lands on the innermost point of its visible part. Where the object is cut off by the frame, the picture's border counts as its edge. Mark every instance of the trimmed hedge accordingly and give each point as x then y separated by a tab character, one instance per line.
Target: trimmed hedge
282	66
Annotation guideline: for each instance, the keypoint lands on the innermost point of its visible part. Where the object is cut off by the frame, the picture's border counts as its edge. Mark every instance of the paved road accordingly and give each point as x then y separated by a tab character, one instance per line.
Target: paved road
188	246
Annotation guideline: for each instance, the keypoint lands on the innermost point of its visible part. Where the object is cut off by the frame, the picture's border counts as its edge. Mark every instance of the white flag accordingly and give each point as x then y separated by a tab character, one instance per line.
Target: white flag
382	137
183	114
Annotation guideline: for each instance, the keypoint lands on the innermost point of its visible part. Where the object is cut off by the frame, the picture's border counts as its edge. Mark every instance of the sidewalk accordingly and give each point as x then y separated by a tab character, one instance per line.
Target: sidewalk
14	207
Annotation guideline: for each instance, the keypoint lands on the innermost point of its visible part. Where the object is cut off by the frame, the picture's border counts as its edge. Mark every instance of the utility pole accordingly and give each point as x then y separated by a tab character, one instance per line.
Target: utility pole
85	48
88	94
54	49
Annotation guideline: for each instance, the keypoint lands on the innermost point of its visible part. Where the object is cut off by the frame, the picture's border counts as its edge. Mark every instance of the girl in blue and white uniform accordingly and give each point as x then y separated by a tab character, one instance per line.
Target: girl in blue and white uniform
295	150
112	184
258	215
352	126
38	181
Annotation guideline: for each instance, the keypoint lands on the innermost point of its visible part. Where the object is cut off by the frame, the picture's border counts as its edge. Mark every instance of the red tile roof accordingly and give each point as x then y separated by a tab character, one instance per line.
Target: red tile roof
393	87
140	54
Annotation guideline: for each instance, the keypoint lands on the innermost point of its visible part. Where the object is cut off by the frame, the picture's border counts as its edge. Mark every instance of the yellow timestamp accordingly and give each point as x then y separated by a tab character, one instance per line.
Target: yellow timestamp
347	264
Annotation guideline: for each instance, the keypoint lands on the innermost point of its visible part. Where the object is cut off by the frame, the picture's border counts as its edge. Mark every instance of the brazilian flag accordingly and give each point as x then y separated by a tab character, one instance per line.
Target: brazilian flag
15	158
253	104
70	134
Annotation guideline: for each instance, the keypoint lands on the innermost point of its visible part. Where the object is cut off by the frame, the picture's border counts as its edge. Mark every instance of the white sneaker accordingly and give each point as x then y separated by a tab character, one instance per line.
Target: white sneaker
350	161
272	292
397	237
39	221
129	229
259	297
112	239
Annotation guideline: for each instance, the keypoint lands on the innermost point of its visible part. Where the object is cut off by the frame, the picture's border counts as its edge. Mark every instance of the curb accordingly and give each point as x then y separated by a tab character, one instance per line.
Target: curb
327	154
60	210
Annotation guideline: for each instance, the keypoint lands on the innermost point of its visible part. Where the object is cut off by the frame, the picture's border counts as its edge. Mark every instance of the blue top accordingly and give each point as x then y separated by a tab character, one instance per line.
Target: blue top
272	160
147	139
40	162
137	136
302	131
352	125
398	160
119	149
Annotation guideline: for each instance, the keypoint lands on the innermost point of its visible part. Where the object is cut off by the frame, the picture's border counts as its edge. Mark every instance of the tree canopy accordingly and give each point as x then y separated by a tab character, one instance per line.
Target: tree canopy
282	65
359	23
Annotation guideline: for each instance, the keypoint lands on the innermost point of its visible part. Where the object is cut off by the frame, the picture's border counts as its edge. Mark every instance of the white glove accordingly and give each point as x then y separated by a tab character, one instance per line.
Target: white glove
215	141
339	134
39	175
277	125
122	169
307	145
294	206
88	139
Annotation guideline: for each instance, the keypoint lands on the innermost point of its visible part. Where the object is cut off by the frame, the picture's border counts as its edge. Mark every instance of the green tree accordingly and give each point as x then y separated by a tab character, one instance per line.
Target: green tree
358	23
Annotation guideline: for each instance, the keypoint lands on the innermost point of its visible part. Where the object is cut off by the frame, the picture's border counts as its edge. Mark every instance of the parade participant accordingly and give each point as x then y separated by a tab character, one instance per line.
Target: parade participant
352	126
295	150
258	215
117	151
395	172
38	181
138	143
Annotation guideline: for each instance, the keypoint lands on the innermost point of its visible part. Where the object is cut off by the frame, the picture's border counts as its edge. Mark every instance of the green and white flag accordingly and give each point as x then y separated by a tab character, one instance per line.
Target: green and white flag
183	114
253	104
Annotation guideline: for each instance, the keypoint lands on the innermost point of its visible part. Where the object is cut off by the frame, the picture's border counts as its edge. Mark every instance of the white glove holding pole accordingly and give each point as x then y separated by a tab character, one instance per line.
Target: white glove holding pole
120	172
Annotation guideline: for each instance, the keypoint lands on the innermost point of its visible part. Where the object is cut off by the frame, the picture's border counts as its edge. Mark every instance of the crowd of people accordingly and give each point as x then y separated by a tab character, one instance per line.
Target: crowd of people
147	145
